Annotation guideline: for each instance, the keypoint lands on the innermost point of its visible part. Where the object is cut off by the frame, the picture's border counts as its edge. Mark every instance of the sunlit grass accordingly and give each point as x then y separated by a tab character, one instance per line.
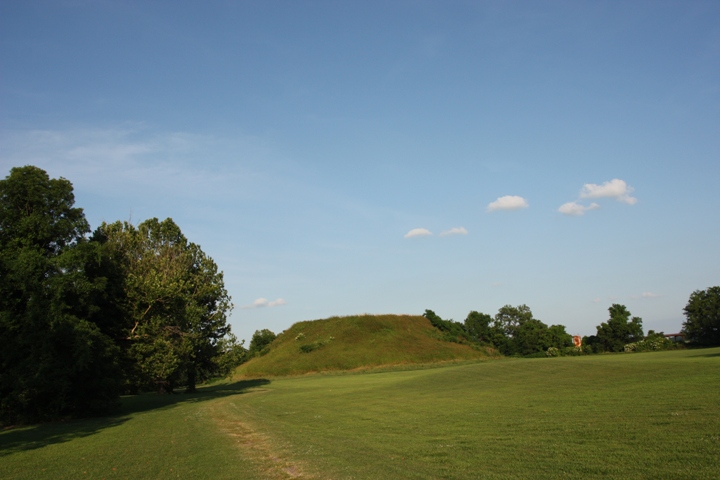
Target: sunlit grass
362	341
649	415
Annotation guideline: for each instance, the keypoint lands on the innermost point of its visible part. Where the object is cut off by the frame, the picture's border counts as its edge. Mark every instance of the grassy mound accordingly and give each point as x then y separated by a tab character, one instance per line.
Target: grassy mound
347	343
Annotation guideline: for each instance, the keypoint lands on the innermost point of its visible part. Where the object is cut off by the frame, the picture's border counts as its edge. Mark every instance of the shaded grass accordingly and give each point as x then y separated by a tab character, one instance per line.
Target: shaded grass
154	436
363	341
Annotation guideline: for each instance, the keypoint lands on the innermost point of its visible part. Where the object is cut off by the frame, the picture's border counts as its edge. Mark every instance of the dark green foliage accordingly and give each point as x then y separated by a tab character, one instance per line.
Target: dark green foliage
619	330
592	344
174	303
37	212
452	331
81	320
559	338
478	327
55	361
231	354
702	312
260	342
516	332
309	347
513	331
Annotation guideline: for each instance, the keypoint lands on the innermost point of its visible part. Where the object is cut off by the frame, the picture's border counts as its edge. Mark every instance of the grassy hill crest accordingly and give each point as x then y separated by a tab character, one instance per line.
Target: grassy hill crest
356	342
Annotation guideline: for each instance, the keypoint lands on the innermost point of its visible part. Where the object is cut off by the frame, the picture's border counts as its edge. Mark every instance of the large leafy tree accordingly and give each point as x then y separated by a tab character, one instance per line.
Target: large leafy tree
516	332
619	330
55	360
559	338
703	317
478	327
175	302
507	326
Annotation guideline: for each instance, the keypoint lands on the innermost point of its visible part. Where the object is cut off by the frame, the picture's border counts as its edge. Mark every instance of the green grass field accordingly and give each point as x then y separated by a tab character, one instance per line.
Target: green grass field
650	415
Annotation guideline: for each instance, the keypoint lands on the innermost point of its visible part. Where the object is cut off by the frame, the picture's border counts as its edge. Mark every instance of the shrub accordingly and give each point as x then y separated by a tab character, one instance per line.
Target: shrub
652	343
572	351
309	347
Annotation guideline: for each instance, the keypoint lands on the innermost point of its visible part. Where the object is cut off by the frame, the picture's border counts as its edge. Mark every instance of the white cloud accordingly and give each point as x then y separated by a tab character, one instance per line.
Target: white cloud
508	202
418	232
645	295
575	209
596	300
454	231
615	188
264	302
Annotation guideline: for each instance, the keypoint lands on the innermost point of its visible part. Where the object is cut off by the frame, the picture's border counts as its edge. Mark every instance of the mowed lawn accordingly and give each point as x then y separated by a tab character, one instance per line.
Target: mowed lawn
650	415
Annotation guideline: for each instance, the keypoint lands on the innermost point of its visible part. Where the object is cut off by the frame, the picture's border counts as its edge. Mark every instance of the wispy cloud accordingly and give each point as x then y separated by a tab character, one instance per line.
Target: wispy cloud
132	158
418	232
454	231
576	209
647	295
264	302
596	300
615	188
508	202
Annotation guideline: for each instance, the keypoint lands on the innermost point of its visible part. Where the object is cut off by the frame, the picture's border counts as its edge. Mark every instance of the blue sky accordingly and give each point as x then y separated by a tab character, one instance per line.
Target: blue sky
345	157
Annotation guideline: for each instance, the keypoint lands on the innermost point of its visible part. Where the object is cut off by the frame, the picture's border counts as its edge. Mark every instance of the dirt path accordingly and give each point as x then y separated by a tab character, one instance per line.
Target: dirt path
263	451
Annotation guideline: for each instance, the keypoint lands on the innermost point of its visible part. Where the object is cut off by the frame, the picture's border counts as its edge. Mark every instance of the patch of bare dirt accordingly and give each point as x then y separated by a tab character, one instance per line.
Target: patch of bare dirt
259	448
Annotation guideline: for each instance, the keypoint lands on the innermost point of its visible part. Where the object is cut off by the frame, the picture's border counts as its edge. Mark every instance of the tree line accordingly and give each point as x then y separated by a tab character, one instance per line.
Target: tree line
86	316
513	331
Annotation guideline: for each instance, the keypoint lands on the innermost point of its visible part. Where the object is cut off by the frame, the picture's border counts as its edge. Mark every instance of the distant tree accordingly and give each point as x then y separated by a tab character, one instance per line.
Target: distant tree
531	337
505	329
55	360
452	331
702	312
509	318
231	354
515	332
478	327
260	340
559	338
174	301
619	330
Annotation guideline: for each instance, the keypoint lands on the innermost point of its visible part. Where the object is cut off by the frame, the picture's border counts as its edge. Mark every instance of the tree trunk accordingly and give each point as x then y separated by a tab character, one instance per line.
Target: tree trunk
192	378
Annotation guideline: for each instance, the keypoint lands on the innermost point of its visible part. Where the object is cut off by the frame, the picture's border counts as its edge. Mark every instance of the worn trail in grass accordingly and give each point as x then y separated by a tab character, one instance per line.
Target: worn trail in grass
649	415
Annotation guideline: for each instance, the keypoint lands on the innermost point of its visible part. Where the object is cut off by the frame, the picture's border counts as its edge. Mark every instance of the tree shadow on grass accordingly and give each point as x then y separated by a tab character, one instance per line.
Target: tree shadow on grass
706	355
41	435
